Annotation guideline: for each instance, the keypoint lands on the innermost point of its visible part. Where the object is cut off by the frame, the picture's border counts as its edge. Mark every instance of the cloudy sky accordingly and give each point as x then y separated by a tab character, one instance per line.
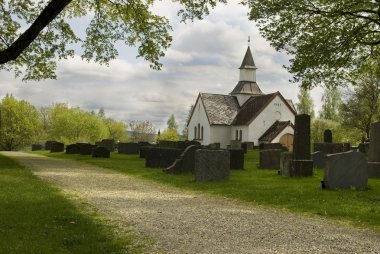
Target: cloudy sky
204	57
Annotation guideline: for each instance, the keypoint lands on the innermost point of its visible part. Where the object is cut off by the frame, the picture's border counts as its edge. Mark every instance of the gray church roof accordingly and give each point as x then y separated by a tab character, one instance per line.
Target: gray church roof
247	87
248	59
220	109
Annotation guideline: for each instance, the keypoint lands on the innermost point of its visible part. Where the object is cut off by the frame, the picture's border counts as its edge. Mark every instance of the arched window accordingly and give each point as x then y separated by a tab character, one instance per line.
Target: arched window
195	132
199	131
202	132
237	135
240	135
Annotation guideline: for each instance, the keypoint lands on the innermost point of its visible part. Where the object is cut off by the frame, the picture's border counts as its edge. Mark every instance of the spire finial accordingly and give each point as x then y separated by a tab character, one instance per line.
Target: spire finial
249	40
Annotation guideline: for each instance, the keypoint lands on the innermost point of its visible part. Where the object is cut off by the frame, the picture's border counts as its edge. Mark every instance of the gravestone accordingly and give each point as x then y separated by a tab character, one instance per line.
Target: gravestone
286	159
57	147
109	144
214	146
128	148
161	157
48	144
327	136
73	149
363	147
319	159
244	147
186	161
345	170
271	146
236	158
329	148
142	150
211	165
302	165
374	151
250	145
235	144
100	152
270	159
37	147
346	147
85	148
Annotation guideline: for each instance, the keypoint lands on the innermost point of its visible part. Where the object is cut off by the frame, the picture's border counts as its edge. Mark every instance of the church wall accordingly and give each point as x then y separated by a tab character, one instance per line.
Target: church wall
199	119
247	75
276	110
221	134
236	130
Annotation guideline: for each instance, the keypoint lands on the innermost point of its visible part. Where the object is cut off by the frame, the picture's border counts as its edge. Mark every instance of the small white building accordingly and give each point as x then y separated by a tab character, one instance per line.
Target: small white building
246	114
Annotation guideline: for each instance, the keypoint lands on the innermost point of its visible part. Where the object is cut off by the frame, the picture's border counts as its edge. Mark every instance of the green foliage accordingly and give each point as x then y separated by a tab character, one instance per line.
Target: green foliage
132	23
116	130
172	124
328	39
264	187
363	105
331	101
19	123
36	218
305	104
185	131
341	134
70	125
168	135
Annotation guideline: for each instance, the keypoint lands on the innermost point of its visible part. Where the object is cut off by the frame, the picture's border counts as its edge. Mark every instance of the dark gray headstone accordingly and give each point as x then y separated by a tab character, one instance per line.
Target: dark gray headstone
330	148
374	145
363	147
236	158
211	165
319	159
302	168
214	146
301	145
37	147
271	146
109	144
286	160
100	152
128	148
57	147
327	136
373	169
85	148
270	159
161	157
345	170
235	144
48	144
249	145
186	162
73	149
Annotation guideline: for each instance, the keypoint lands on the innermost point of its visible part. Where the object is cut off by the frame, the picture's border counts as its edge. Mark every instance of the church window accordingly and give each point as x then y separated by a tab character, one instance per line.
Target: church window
195	132
240	135
202	132
199	131
237	135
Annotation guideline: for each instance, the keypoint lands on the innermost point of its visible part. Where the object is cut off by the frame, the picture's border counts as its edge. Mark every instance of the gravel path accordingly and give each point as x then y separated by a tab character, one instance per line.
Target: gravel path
185	222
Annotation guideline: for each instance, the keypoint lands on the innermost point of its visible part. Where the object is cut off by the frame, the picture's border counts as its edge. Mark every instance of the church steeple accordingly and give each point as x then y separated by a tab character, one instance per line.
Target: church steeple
247	79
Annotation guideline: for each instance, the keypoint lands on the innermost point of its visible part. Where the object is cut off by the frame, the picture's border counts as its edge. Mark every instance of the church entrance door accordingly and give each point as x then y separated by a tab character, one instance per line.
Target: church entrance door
287	141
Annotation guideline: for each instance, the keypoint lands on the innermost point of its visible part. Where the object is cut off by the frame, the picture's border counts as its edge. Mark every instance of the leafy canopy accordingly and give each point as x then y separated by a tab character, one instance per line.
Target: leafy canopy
31	40
326	39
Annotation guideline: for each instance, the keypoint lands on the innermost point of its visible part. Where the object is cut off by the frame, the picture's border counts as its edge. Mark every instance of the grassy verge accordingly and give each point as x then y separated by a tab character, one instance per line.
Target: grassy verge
37	218
264	187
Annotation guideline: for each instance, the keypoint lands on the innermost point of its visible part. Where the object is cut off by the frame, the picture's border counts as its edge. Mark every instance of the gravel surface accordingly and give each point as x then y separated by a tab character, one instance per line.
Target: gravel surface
187	222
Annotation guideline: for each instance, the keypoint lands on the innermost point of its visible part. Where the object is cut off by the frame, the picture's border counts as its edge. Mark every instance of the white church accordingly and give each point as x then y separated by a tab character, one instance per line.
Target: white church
246	114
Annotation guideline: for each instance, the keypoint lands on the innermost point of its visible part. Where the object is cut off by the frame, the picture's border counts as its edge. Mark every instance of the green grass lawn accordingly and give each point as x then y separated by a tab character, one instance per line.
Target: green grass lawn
38	218
264	187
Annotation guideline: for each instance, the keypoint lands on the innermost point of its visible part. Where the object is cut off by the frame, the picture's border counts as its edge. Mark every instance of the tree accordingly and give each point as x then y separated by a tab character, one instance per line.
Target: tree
305	104
117	130
19	123
328	39
362	107
142	131
331	100
70	125
32	53
185	131
172	124
168	135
